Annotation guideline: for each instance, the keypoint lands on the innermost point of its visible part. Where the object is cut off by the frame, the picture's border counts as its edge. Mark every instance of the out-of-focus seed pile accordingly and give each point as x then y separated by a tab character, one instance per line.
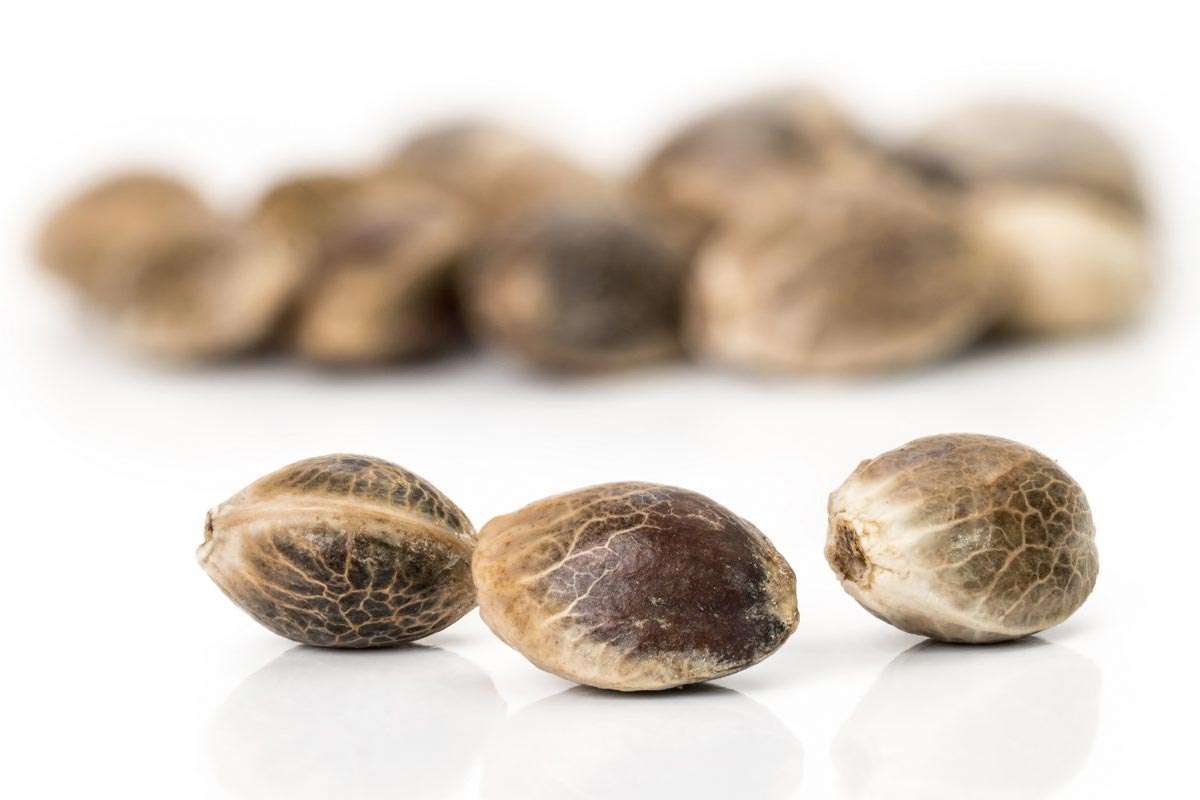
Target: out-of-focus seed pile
771	234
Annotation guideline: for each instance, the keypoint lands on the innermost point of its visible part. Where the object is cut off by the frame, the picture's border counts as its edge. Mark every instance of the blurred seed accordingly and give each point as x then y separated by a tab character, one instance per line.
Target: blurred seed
213	296
500	173
101	239
1056	201
871	275
383	288
302	211
1075	262
704	174
1029	143
576	287
228	289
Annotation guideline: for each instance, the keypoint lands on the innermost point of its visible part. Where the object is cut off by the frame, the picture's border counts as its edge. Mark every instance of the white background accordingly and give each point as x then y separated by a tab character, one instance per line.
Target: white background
126	671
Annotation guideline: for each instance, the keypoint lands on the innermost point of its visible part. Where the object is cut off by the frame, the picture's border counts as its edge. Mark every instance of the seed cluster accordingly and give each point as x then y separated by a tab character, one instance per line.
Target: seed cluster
773	234
638	586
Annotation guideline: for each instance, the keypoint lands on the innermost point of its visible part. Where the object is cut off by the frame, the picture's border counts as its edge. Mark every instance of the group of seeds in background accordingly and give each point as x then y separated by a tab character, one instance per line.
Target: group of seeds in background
770	234
638	586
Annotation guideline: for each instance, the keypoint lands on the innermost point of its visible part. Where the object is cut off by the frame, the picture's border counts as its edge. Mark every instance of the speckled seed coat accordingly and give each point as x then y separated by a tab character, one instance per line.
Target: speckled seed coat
634	586
963	538
343	551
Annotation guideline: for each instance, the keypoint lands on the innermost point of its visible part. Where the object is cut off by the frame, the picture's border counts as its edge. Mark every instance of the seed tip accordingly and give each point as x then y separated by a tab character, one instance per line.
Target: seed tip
206	547
845	553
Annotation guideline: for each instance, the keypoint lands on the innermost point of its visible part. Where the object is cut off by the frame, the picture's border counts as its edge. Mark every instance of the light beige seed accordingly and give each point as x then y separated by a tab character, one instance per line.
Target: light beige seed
1073	261
1031	144
1055	201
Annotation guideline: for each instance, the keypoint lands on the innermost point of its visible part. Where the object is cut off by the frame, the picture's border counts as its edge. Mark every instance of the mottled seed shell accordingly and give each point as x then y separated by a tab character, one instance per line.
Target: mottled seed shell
576	288
872	275
101	240
343	551
634	586
704	175
500	173
1074	261
382	289
963	538
1030	143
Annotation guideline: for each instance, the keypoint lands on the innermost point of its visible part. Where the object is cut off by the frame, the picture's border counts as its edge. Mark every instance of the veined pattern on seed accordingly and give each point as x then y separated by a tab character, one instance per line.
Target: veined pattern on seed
996	532
633	585
343	551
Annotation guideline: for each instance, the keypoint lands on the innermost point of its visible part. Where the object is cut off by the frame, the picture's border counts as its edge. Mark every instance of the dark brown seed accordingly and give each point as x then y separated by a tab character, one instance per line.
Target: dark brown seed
577	288
343	551
963	538
634	586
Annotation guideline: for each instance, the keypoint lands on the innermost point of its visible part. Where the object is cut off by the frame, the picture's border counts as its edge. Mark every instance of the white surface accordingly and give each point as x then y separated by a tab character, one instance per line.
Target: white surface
125	669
